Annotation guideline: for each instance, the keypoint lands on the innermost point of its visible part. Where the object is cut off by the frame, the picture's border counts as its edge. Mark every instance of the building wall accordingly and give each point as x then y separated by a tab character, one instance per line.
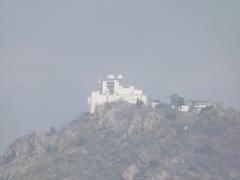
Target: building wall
185	108
102	96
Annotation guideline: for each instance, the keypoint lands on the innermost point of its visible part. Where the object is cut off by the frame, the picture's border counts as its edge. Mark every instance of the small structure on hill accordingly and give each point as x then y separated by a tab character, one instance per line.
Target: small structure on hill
199	105
111	89
154	103
180	104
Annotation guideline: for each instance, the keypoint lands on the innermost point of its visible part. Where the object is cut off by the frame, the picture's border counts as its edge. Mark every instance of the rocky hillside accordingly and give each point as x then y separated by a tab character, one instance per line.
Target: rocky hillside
125	142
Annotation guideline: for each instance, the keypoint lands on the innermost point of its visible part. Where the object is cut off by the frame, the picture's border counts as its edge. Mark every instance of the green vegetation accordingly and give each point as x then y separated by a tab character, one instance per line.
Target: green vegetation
154	163
176	100
51	149
204	149
80	141
180	129
139	103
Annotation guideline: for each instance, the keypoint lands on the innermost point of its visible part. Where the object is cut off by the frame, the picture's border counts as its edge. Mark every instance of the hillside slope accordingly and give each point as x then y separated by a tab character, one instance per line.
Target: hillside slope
122	141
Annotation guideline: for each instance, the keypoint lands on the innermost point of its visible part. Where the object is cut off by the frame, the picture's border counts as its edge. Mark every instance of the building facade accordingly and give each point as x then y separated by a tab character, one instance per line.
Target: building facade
111	89
195	106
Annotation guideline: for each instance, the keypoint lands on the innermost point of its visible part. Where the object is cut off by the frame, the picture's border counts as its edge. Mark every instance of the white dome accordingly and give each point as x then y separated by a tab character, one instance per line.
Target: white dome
110	76
120	77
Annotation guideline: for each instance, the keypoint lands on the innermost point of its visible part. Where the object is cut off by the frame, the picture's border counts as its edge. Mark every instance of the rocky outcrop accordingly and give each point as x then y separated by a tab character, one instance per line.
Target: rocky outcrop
130	173
24	152
122	141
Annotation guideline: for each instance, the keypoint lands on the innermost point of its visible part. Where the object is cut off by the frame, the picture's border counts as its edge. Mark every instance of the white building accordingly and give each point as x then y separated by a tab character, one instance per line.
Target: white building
154	103
199	105
184	108
112	90
195	106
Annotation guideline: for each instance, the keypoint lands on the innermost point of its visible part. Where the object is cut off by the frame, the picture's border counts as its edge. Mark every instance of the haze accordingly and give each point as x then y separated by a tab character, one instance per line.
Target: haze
51	53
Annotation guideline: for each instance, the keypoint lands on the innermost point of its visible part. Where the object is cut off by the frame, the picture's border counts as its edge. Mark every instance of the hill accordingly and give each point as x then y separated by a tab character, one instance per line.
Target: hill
127	142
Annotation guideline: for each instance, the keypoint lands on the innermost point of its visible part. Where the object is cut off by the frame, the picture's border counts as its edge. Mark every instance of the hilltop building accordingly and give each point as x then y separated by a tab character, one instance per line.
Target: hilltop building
154	103
199	105
195	106
179	103
186	106
111	89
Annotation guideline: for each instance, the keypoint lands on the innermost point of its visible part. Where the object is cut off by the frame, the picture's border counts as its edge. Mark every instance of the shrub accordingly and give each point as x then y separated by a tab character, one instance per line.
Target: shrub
180	129
153	163
80	141
139	104
51	149
171	116
204	149
52	131
207	109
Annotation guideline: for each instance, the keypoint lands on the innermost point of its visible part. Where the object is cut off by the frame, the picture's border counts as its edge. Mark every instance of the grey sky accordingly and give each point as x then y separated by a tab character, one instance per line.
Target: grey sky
51	53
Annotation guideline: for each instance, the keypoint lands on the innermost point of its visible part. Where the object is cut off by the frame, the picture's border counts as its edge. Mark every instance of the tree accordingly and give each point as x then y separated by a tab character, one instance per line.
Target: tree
139	103
176	101
52	131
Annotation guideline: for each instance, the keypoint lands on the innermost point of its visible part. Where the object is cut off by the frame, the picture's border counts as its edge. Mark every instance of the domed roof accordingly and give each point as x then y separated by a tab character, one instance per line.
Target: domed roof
110	76
120	77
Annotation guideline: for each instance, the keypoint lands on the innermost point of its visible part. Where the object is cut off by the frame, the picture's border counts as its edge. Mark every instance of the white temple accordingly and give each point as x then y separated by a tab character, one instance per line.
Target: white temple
112	90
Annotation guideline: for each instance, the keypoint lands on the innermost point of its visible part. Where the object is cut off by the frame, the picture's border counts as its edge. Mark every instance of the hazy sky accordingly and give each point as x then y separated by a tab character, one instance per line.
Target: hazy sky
51	52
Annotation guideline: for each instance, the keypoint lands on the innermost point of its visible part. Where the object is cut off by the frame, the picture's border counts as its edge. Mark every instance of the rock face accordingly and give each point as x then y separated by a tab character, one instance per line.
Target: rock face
24	152
124	142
